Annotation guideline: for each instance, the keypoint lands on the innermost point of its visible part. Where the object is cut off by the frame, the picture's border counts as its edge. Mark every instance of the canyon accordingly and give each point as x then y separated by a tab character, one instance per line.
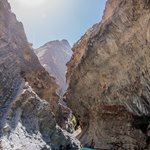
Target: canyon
108	84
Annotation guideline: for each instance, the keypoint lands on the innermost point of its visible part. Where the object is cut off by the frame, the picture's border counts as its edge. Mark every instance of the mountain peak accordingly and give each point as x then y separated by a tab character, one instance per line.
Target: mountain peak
53	43
64	41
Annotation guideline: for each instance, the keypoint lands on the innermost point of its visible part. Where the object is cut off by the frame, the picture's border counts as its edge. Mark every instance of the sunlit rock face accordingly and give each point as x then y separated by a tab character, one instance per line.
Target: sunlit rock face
30	124
53	56
17	61
109	77
27	93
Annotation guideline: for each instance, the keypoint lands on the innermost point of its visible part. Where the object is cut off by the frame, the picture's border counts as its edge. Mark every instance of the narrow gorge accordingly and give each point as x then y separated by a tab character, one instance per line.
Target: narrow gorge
107	89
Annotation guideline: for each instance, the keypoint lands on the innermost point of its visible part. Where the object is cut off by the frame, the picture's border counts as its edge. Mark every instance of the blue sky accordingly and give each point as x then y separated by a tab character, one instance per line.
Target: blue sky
46	20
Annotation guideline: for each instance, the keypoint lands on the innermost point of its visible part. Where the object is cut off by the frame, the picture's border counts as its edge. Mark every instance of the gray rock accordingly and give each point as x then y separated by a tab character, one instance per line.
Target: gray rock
27	120
109	75
30	124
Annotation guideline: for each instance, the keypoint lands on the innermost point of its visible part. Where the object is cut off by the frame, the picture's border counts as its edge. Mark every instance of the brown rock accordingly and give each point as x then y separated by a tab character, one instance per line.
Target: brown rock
109	77
18	60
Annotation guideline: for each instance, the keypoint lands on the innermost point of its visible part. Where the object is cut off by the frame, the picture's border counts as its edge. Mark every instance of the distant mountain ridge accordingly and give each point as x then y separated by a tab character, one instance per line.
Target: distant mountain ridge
53	56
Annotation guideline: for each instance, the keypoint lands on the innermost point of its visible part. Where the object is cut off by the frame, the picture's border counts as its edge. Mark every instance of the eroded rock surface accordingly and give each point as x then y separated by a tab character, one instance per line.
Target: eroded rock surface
17	61
30	124
53	56
26	118
109	75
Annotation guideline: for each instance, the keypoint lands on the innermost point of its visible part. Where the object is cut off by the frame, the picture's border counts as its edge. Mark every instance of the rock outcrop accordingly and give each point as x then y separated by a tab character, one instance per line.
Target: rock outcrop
26	118
53	56
19	61
30	124
109	75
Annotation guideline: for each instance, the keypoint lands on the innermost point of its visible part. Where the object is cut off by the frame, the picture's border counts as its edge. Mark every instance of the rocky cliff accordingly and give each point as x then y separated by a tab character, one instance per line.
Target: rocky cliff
109	78
53	56
27	93
19	61
30	124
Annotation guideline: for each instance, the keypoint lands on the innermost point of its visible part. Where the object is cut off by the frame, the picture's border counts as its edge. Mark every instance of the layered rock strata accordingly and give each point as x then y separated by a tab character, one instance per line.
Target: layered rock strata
109	75
53	56
26	118
19	61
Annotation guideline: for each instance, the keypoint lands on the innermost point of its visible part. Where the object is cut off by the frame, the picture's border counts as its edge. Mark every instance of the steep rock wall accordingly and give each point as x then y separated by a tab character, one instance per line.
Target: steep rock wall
26	120
30	124
18	60
109	76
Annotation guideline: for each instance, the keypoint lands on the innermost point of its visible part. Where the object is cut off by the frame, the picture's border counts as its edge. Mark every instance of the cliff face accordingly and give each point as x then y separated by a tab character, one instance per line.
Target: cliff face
18	60
109	75
53	56
26	121
30	124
